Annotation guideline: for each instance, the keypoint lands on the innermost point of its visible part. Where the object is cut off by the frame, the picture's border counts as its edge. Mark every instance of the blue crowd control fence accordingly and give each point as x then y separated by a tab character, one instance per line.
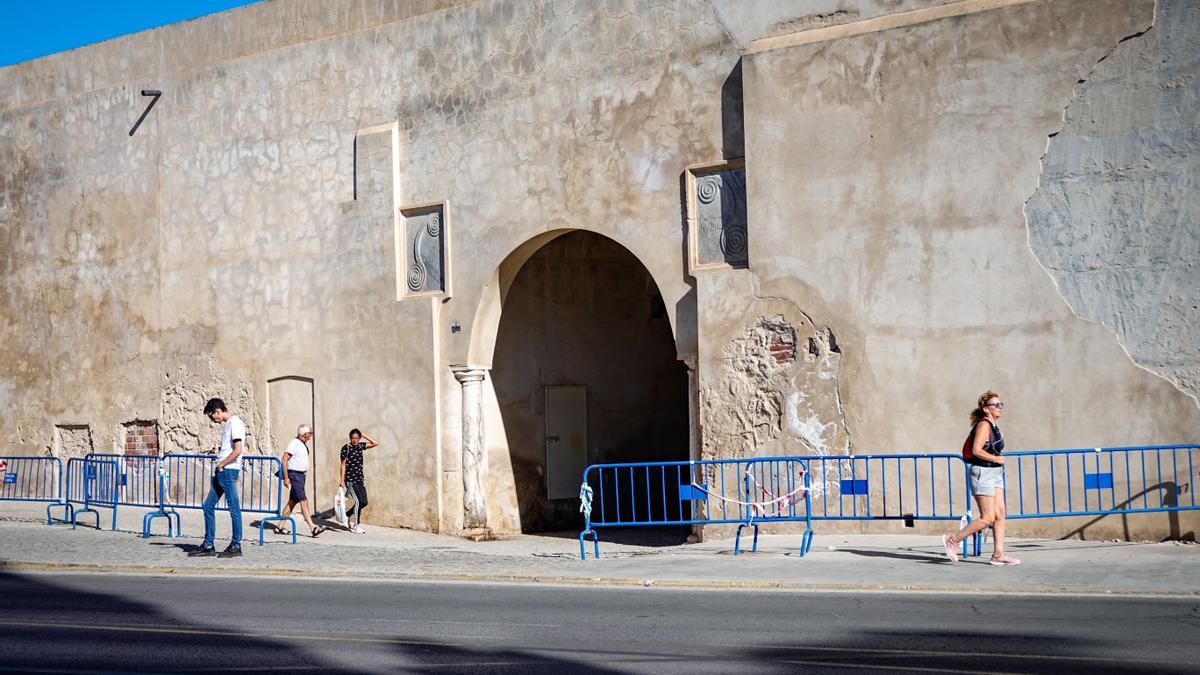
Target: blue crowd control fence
93	482
741	491
1100	481
32	479
187	481
168	483
907	487
71	494
112	481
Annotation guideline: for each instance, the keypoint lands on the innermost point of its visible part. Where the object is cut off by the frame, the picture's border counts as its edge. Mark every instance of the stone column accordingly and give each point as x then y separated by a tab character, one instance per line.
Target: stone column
690	360
474	505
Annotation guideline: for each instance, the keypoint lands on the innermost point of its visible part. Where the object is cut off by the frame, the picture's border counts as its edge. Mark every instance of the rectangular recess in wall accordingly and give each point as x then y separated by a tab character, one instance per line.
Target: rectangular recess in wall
73	440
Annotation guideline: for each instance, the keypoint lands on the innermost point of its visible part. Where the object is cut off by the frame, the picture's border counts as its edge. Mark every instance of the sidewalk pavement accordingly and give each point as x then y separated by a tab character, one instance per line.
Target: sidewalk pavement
852	562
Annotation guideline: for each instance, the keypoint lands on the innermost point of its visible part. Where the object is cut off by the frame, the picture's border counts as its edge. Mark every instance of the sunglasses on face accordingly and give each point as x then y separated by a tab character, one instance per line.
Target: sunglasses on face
997	405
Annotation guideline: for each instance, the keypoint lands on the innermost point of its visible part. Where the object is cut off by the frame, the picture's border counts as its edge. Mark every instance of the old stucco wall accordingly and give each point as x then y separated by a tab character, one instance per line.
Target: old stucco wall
1116	216
887	174
227	243
247	231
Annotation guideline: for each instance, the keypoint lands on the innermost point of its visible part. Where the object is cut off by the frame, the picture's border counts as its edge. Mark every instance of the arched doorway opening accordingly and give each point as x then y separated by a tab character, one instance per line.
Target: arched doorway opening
585	371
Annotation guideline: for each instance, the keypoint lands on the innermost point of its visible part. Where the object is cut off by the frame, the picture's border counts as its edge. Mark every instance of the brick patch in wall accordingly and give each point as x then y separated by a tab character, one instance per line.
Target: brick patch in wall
141	437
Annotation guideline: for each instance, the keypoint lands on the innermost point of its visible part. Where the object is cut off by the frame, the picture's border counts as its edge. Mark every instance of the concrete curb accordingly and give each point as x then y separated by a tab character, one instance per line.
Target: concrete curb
713	584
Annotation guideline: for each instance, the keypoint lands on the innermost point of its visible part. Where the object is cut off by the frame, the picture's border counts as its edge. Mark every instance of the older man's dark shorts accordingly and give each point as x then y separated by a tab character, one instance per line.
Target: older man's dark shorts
297	479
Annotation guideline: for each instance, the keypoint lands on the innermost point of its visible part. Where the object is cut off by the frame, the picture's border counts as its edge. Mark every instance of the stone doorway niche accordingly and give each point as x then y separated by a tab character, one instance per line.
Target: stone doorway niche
583	312
291	401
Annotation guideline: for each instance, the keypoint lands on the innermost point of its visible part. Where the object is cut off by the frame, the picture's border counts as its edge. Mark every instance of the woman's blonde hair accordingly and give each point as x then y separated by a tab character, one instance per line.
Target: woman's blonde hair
977	414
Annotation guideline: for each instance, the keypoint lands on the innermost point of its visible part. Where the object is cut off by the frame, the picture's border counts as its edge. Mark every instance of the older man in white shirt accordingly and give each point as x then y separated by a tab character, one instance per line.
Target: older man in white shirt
295	462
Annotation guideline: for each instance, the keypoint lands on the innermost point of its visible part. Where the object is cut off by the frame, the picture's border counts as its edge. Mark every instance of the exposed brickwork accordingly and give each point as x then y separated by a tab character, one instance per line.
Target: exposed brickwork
780	344
141	437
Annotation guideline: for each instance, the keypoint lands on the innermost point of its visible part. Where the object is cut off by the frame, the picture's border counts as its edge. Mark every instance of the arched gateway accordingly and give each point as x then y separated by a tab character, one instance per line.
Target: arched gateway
584	369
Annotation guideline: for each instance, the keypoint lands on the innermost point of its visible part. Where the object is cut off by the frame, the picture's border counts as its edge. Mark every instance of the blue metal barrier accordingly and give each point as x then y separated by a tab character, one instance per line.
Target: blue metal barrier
72	492
187	481
166	484
136	482
1100	481
1038	484
890	487
98	486
742	491
31	479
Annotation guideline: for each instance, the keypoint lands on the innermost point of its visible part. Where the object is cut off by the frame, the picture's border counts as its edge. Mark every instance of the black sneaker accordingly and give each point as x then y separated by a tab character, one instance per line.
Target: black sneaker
202	551
234	551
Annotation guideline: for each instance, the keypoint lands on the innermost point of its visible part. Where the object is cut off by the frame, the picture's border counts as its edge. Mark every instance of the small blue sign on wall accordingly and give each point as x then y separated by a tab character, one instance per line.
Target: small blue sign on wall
10	478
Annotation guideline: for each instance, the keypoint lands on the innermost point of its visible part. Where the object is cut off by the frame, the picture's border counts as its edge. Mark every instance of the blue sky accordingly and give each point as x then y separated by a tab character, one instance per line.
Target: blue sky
33	28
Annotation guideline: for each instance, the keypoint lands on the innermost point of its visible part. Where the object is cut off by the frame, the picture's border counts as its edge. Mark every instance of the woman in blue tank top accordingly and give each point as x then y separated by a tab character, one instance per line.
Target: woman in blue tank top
982	452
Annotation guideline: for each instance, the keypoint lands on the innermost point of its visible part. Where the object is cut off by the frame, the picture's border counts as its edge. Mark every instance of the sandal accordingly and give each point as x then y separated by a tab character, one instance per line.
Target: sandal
318	530
280	530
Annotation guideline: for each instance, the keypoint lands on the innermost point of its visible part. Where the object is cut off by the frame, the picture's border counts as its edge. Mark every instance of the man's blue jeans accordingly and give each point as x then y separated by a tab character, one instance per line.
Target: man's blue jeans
224	483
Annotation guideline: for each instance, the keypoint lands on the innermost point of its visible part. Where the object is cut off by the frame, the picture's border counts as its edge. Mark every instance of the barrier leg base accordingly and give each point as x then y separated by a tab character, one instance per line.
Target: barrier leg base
68	511
806	542
595	544
737	540
75	517
262	526
148	522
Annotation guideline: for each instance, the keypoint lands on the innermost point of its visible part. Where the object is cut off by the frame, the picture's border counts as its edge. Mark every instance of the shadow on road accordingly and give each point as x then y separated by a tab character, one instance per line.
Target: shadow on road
1012	651
57	628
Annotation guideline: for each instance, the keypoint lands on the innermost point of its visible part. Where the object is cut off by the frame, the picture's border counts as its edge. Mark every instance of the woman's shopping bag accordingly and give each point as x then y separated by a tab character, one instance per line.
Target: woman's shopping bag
339	507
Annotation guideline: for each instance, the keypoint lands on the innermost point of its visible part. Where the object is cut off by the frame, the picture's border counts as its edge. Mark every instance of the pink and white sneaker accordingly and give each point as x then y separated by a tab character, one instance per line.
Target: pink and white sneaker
1004	559
951	548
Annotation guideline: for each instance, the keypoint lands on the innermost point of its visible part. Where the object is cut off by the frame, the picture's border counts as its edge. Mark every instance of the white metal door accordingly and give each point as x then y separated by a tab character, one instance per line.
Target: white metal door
566	440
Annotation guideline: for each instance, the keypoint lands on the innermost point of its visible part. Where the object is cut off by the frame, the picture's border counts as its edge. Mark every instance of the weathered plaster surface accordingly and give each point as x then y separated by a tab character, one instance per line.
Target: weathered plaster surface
230	242
887	175
1116	216
776	387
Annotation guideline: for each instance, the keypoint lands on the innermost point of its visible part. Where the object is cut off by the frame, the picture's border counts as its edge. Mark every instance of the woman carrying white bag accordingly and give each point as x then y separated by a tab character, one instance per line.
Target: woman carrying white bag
352	478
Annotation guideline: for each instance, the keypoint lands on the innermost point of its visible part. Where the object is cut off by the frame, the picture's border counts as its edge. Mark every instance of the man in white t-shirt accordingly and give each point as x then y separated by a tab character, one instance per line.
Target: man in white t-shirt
295	475
224	481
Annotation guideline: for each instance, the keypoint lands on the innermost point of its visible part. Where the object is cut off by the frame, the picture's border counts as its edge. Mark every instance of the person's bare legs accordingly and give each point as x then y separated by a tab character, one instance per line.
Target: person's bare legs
999	526
307	513
287	511
987	516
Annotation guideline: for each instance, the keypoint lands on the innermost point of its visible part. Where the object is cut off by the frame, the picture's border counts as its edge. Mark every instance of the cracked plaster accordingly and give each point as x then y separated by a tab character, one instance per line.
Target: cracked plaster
1117	206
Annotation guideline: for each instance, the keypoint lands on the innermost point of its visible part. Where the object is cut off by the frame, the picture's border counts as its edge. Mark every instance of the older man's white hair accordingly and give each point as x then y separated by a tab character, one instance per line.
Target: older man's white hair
303	429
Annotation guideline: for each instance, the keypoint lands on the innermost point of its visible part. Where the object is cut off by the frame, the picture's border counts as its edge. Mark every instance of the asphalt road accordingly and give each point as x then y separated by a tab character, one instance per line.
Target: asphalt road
114	623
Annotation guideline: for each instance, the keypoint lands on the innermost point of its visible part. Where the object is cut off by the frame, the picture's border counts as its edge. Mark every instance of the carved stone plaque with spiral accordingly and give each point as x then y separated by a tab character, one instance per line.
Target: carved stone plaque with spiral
719	218
425	257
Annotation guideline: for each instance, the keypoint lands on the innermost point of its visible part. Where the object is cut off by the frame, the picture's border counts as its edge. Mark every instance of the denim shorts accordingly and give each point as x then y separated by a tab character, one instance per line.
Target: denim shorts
985	480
